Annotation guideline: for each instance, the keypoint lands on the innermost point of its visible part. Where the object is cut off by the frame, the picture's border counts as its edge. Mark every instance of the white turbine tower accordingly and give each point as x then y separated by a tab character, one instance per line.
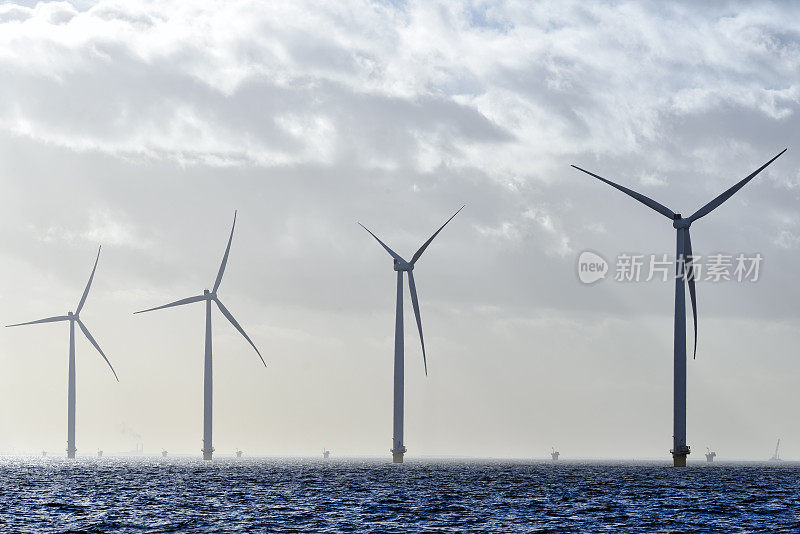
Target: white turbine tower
684	271
209	297
401	266
74	318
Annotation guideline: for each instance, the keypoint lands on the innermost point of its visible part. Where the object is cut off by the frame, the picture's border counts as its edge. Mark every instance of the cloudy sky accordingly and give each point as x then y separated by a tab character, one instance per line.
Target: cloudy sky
143	127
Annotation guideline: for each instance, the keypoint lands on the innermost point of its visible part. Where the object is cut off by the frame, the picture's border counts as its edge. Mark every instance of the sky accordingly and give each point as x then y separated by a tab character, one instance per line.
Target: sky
143	126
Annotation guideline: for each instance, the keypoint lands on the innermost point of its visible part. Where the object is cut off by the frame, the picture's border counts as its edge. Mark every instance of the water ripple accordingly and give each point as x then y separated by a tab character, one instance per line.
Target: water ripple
269	495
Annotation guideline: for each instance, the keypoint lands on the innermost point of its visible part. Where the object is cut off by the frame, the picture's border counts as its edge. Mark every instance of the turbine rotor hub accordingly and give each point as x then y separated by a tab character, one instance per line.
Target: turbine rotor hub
402	266
679	222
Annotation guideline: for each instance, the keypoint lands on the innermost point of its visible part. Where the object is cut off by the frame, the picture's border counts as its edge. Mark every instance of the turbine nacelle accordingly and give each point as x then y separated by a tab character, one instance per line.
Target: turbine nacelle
403	265
74	317
211	295
683	223
679	222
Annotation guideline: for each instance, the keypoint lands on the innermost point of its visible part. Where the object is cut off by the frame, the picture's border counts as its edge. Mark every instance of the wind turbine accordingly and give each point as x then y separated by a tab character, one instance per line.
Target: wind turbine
684	271
74	318
209	297
401	266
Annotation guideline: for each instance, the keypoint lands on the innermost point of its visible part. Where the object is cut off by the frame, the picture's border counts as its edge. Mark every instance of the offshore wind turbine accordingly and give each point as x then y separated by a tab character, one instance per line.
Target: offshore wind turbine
209	297
74	318
403	266
684	271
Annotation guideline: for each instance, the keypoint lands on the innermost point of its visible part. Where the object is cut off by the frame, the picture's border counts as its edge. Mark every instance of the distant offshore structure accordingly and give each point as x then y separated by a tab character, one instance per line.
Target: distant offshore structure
208	297
326	454
710	455
239	454
776	457
99	454
164	454
44	454
554	454
74	318
402	266
685	274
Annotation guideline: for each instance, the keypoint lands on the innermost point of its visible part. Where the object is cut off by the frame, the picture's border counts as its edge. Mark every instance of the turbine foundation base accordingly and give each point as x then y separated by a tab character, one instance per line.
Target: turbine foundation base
397	454
679	456
207	455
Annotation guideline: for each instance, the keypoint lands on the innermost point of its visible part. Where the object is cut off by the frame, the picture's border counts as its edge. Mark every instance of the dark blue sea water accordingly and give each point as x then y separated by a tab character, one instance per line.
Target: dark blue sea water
271	495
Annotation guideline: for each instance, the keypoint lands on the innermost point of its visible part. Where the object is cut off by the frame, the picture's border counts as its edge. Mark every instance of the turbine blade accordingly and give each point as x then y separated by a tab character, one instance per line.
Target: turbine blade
390	251
47	320
663	210
93	342
714	204
689	270
412	287
181	302
225	257
238	327
88	284
418	253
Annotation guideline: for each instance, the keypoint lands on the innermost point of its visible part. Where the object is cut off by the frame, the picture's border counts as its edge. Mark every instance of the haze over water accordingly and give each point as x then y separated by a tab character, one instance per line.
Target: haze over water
309	495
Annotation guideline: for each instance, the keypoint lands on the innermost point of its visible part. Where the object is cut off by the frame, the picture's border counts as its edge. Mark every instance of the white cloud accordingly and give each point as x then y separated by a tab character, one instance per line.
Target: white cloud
505	230
274	84
787	239
536	224
103	228
651	180
597	228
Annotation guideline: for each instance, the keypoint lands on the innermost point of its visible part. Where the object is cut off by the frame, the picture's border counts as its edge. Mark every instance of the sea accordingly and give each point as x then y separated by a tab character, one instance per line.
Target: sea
372	495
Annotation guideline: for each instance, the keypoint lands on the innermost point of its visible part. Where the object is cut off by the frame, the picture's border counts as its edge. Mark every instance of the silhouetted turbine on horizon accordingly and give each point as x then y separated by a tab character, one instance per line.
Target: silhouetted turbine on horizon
208	297
684	271
74	318
401	266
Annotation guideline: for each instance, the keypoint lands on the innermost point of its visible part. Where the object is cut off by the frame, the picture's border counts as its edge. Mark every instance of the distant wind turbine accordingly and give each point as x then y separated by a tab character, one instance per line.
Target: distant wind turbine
401	266
684	272
208	297
74	318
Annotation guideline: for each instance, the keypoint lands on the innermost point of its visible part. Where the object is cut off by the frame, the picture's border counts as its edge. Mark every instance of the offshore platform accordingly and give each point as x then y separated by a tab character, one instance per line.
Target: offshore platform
710	455
554	454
